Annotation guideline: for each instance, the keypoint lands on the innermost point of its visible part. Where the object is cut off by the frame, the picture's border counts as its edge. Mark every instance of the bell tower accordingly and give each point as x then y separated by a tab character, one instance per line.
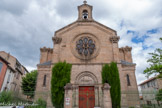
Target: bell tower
85	12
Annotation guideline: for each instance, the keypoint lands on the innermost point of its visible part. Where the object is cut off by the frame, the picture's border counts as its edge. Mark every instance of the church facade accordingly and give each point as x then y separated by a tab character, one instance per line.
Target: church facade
87	45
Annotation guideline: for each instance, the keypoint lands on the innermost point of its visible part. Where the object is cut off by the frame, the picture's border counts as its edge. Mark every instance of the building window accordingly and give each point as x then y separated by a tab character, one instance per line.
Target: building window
85	14
5	89
1	64
148	84
85	46
148	102
8	80
44	80
128	80
143	86
17	75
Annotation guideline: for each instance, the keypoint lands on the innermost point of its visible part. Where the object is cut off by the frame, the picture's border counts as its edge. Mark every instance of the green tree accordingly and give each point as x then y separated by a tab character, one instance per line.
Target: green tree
110	74
60	77
29	83
6	97
159	95
155	63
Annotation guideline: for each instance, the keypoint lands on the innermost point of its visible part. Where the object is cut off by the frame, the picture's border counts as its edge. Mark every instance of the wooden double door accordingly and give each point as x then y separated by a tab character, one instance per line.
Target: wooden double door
86	97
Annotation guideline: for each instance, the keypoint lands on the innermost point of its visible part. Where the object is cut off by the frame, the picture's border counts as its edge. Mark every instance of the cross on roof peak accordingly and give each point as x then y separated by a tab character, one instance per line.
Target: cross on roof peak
85	1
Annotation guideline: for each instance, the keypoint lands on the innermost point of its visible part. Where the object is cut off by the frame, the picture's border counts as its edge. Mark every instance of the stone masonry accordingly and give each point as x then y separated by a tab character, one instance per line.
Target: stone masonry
87	66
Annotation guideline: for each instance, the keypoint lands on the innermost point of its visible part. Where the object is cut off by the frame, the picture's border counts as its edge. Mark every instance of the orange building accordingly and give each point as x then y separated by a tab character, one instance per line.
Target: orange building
3	69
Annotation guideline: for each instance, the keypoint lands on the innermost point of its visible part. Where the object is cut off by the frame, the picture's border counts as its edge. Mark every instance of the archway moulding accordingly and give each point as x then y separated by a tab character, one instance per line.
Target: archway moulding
86	78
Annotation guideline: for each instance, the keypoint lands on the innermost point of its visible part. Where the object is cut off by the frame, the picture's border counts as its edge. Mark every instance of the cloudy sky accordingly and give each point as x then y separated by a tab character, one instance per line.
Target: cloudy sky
25	26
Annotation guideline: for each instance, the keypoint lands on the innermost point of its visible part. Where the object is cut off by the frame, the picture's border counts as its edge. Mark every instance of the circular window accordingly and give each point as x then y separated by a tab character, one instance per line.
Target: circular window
85	46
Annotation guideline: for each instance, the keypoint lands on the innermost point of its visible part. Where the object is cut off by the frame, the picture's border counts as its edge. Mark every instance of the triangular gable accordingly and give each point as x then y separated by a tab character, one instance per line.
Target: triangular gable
76	23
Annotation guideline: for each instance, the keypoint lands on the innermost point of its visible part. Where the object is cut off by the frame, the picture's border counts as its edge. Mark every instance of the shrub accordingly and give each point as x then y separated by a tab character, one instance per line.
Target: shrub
110	75
40	103
6	97
60	77
159	95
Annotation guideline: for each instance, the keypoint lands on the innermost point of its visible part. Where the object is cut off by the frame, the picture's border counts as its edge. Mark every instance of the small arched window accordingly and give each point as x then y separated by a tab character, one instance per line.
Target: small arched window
85	14
128	80
44	80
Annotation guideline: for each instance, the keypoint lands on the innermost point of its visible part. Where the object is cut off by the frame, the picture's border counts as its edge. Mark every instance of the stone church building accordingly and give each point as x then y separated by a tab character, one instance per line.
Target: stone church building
87	45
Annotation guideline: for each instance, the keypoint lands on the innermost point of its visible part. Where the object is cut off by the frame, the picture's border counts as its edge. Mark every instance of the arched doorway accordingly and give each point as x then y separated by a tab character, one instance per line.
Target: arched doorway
87	92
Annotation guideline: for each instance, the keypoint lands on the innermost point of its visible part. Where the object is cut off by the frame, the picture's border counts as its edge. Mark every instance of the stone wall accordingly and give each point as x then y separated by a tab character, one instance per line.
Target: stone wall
129	93
46	54
43	91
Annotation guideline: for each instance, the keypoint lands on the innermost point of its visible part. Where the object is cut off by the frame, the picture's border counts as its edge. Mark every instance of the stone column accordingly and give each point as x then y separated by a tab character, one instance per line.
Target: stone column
96	96
68	96
75	97
114	40
100	96
106	96
56	49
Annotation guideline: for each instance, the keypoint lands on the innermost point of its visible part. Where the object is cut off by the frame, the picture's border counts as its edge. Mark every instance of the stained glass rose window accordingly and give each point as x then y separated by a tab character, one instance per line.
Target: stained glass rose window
85	46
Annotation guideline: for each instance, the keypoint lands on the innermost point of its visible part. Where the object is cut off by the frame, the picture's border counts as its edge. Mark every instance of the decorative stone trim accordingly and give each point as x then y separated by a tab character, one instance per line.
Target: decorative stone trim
68	86
44	49
114	39
125	49
96	87
56	40
84	56
75	87
106	86
87	76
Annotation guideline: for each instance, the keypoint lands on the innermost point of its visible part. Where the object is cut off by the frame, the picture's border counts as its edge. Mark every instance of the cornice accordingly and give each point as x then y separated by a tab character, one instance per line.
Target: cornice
114	39
125	49
56	40
44	49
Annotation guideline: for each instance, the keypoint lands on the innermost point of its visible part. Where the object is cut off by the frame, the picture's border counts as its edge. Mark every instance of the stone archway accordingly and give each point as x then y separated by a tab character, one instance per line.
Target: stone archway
86	80
89	81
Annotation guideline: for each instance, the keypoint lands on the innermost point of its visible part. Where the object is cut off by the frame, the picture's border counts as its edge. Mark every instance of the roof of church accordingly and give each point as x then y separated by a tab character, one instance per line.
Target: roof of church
45	63
106	27
126	63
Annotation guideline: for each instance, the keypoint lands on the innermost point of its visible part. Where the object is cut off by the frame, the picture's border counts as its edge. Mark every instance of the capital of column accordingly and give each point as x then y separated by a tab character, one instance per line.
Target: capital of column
68	86
125	49
75	87
114	39
106	86
56	40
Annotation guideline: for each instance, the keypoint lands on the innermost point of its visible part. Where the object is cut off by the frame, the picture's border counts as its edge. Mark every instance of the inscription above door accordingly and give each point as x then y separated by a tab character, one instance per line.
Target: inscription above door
86	80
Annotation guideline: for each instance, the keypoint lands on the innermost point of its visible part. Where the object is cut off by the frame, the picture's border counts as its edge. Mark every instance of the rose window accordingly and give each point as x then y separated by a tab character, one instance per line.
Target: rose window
85	46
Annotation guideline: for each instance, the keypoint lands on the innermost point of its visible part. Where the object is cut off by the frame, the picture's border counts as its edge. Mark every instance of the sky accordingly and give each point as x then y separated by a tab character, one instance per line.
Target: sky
26	26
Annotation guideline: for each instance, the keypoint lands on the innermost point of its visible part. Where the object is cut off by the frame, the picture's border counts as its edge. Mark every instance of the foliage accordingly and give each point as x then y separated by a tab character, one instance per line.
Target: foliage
110	75
6	97
40	103
159	95
29	83
60	77
155	63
